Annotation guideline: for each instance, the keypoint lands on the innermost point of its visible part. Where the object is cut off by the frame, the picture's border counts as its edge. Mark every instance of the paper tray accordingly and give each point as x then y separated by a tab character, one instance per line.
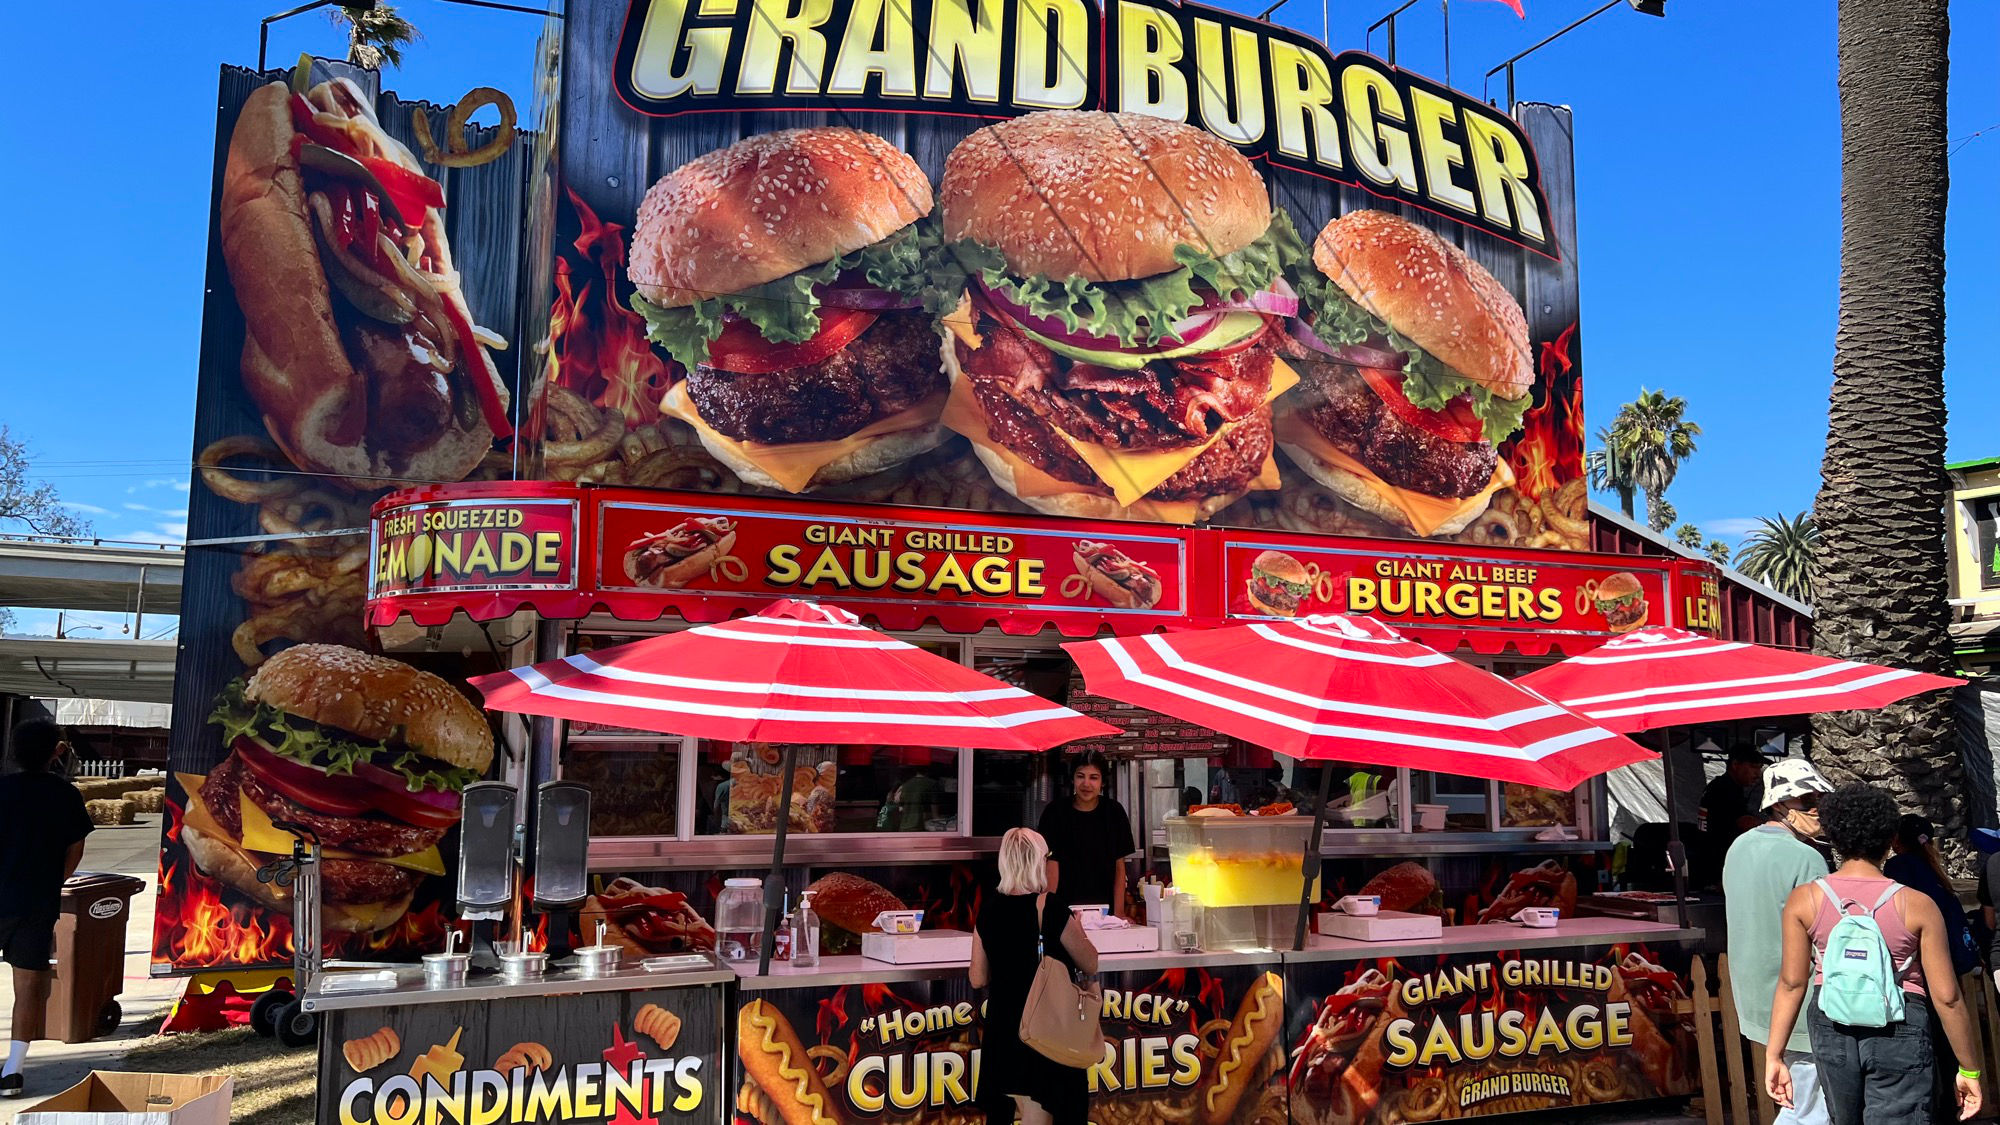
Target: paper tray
925	947
1389	925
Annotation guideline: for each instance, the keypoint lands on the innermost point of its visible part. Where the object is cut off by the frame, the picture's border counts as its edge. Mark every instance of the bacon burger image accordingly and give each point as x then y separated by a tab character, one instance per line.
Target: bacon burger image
1414	368
1278	584
358	347
369	753
1622	601
770	271
1116	355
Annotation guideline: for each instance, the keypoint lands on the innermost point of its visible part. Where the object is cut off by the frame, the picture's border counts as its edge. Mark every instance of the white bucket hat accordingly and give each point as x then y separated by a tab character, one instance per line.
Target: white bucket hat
1792	777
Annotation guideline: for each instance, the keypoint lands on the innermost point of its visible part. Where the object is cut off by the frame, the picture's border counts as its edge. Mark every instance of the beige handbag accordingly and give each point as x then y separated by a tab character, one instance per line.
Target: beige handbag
1062	1021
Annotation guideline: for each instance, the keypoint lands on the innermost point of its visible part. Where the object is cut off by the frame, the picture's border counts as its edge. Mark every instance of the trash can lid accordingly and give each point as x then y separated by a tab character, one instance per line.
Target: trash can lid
102	883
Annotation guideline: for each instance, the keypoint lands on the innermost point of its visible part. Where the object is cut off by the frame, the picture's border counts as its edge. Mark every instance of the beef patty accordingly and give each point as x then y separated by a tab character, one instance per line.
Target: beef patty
370	835
1336	400
343	882
891	367
1225	467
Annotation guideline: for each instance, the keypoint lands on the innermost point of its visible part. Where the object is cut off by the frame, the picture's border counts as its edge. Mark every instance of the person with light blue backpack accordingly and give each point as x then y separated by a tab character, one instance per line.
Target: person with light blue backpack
1880	957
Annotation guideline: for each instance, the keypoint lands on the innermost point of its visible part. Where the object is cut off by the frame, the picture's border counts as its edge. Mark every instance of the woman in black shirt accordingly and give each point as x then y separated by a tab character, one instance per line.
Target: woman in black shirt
1013	928
1089	836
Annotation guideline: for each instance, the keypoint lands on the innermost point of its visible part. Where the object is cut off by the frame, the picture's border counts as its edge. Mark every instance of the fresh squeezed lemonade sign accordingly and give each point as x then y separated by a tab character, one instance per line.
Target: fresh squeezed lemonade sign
475	545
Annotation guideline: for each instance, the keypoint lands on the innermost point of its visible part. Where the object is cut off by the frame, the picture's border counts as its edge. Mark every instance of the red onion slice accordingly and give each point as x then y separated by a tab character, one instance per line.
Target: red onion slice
1278	300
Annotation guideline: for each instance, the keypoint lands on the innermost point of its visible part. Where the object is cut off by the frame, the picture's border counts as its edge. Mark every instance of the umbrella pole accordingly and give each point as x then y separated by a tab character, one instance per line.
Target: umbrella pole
1311	866
1676	853
774	883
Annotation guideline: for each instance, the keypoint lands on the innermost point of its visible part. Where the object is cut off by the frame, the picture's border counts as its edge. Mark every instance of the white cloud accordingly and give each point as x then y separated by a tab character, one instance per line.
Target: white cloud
1732	526
176	485
86	509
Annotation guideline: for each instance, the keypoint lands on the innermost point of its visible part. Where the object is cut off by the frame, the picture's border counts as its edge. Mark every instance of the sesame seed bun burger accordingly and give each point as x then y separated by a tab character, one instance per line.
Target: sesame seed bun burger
1278	584
369	753
1622	601
776	273
1414	365
1115	352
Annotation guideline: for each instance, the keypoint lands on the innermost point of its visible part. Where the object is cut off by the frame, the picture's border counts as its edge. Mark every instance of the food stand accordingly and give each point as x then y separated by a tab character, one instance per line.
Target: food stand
589	494
894	1038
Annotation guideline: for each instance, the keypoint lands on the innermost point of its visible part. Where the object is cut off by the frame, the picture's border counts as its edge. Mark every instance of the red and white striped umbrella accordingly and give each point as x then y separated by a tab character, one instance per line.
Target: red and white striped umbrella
1662	677
1353	689
798	672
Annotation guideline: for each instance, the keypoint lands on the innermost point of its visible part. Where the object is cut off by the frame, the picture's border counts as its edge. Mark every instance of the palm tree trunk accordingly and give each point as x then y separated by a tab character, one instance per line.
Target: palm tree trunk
1881	562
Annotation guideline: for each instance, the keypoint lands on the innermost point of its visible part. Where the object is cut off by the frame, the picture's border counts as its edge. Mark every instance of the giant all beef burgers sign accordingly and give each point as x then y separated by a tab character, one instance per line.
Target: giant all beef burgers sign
1148	264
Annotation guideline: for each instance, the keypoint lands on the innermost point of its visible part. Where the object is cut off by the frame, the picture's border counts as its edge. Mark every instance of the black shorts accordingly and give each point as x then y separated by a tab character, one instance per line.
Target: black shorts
28	941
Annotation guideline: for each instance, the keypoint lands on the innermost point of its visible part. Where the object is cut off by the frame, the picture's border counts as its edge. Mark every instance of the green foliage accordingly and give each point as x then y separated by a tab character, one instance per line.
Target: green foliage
1780	554
1689	536
374	36
1718	552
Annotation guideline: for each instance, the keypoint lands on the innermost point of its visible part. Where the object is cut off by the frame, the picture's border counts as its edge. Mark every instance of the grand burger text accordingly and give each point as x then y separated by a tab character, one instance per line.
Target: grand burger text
1348	117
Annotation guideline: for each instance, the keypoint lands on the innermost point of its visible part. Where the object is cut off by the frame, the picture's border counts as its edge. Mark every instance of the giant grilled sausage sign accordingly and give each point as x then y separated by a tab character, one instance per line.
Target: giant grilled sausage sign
1273	92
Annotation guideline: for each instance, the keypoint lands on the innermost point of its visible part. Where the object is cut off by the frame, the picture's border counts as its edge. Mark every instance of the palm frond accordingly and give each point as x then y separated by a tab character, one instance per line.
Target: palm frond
1780	554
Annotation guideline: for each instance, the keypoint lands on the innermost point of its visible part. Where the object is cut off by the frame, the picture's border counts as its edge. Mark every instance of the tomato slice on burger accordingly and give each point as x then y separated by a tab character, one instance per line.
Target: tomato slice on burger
368	789
1456	422
744	350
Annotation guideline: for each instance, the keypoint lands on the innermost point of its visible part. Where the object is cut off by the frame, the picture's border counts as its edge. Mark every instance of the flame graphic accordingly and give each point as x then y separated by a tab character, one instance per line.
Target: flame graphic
1549	449
196	927
597	346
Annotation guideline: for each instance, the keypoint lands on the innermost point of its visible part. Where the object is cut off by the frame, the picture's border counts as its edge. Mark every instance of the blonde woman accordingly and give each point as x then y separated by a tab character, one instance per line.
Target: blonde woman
1012	923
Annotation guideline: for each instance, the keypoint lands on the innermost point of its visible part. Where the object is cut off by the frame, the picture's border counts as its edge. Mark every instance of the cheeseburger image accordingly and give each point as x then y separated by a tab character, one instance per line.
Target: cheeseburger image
1622	602
1415	366
358	347
769	271
1278	584
1115	356
369	753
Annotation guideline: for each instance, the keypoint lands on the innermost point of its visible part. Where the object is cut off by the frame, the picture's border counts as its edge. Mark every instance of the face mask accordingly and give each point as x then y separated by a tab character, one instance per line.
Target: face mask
1803	822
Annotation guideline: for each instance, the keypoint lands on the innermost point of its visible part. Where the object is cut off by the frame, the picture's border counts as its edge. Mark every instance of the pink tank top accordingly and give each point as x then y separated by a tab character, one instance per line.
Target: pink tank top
1865	892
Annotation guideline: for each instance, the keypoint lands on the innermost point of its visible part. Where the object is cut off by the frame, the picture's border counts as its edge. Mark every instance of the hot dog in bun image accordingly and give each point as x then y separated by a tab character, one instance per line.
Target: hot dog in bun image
1116	352
1117	577
370	754
771	272
1414	367
682	553
359	349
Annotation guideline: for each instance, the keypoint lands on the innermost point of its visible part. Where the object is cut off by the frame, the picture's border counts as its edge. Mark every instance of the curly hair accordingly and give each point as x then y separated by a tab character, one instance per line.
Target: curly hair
1860	820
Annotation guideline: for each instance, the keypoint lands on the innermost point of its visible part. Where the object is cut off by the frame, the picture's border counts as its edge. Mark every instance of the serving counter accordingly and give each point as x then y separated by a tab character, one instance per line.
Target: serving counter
627	1046
1490	1019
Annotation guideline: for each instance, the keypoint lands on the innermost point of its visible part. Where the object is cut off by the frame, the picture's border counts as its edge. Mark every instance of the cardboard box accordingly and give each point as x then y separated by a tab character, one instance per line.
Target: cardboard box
925	947
112	1098
1125	939
1389	925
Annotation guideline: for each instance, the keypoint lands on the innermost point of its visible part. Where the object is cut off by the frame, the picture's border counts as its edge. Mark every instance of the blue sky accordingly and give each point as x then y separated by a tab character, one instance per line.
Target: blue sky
1708	185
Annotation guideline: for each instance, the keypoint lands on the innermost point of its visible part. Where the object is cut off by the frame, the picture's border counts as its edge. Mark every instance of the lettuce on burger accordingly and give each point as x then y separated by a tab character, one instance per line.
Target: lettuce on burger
1115	355
775	273
1415	367
369	753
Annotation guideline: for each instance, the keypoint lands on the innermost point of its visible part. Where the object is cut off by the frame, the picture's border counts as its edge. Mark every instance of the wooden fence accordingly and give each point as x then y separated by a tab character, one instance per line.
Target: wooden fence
1732	1068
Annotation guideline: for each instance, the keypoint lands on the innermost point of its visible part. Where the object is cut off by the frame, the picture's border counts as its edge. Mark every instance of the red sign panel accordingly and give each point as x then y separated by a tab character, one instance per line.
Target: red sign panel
1539	592
474	545
757	553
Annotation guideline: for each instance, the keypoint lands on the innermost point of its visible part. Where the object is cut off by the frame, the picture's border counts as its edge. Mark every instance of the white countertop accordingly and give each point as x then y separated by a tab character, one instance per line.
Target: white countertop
855	969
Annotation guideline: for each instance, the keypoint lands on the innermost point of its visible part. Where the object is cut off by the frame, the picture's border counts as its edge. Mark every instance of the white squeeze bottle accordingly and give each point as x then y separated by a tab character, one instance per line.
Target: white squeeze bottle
805	933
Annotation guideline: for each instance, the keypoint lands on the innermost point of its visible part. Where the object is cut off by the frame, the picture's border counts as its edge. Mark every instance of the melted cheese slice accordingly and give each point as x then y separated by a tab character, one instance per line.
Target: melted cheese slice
794	466
1425	513
963	416
1129	474
260	835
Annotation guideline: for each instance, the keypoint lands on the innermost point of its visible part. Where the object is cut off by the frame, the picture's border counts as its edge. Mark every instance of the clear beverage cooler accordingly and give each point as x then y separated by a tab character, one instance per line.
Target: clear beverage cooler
1230	861
739	919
